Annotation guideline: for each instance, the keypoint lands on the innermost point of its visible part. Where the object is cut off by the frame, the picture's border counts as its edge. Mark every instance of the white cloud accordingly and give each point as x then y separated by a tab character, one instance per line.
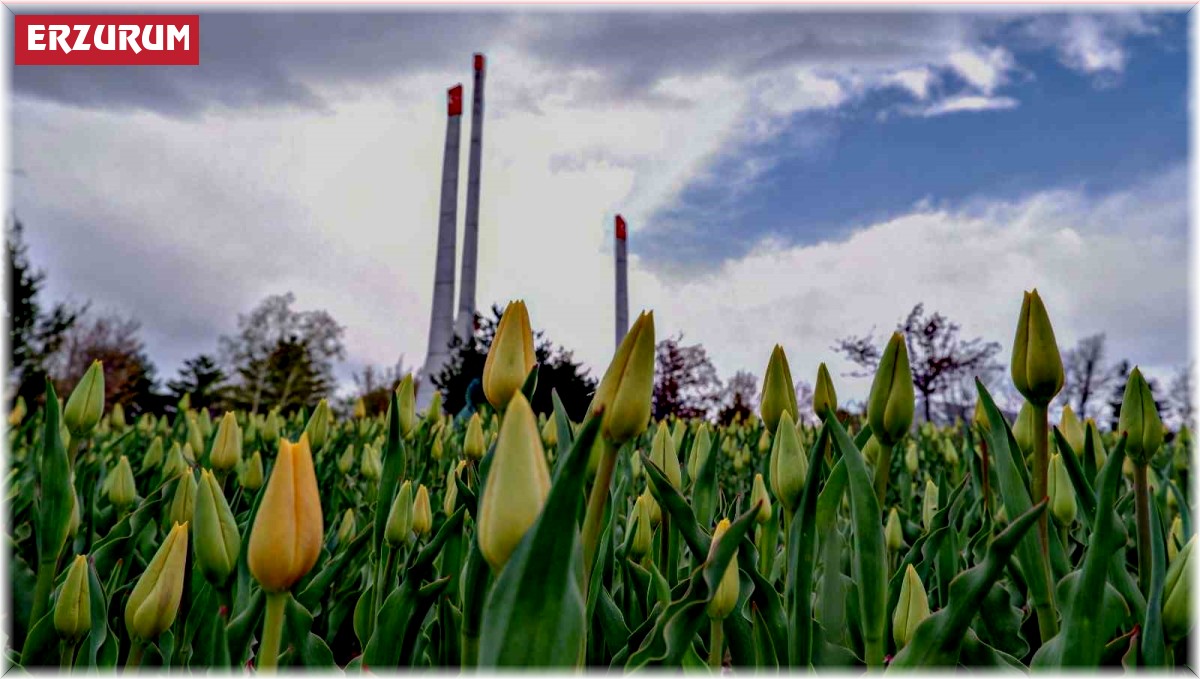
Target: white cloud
965	103
1092	43
984	68
916	80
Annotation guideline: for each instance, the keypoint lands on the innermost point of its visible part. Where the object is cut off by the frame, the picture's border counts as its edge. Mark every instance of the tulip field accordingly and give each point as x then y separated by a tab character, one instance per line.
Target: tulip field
264	541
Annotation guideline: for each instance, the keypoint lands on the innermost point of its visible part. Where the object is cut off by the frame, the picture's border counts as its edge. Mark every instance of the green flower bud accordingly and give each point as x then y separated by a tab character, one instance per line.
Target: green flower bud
1072	430
871	450
204	422
824	395
175	465
226	452
640	523
550	434
1175	539
85	406
699	453
473	445
317	427
433	414
217	543
371	465
122	491
450	499
628	383
980	419
116	418
517	485
911	609
154	601
663	455
1037	369
422	521
73	608
1023	428
758	493
779	391
891	402
764	443
635	464
911	457
1140	420
346	527
1062	495
678	431
399	521
511	356
154	454
345	461
195	439
652	507
270	430
252	473
183	502
17	414
724	599
406	399
1177	595
789	464
892	533
929	503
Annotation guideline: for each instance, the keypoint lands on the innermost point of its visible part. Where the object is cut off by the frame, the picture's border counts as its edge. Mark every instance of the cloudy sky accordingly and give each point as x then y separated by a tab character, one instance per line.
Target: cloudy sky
787	176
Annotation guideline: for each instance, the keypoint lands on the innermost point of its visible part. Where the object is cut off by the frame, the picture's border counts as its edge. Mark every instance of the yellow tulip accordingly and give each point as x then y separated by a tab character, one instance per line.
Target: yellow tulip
285	540
517	485
511	356
154	601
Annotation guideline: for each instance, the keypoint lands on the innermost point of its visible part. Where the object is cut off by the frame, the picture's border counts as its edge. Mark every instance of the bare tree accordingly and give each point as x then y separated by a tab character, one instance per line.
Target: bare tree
1179	397
113	340
739	397
804	402
939	357
1086	374
685	381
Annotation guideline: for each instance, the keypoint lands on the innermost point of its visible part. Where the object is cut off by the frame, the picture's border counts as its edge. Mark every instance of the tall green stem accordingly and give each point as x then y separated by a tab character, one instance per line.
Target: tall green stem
268	653
1141	490
134	661
41	593
1047	619
68	655
595	507
716	647
664	547
883	468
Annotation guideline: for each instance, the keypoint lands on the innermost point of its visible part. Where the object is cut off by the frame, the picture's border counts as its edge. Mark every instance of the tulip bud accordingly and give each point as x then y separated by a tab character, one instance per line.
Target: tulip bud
270	430
422	515
317	427
73	523
85	406
122	490
406	399
437	451
371	466
195	439
678	430
154	601
1023	428
700	450
154	454
73	608
183	502
664	456
929	503
871	450
764	443
116	418
758	493
511	356
911	609
789	464
450	499
345	461
360	408
1177	595
17	414
652	507
204	425
252	472
285	540
1072	430
824	395
1062	495
635	464
1140	420
639	523
1037	369
892	532
473	446
628	383
550	433
911	457
517	485
226	450
346	527
217	542
891	402
724	599
779	392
